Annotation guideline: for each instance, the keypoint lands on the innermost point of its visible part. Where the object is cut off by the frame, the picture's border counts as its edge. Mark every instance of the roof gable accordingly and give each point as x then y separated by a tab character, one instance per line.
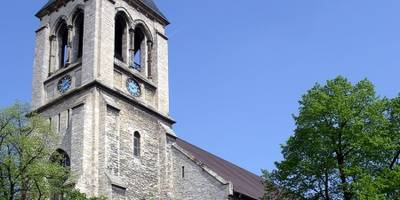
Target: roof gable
244	182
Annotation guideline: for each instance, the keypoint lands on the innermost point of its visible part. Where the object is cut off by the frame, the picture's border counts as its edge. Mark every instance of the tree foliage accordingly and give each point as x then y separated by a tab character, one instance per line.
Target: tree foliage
27	143
346	145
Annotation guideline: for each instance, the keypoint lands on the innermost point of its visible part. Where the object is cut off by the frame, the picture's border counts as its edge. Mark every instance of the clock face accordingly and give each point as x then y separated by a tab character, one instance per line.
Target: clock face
64	84
133	87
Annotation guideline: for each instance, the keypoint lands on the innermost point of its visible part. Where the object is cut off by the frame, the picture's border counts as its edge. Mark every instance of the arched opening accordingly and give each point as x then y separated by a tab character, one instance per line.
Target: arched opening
138	49
121	33
141	49
78	35
62	36
136	144
61	157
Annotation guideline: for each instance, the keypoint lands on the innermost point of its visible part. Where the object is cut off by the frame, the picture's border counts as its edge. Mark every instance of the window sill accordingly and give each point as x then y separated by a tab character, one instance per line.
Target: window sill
126	69
116	181
137	160
63	71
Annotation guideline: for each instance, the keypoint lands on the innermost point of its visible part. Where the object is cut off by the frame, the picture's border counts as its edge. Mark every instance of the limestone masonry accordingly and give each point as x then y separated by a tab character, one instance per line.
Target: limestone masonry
101	78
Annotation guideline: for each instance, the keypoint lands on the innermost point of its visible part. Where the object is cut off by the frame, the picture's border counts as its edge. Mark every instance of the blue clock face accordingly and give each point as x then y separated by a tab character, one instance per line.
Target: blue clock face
64	84
133	87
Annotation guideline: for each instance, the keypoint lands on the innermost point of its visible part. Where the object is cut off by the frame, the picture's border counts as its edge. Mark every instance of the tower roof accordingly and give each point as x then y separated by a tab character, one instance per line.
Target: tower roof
149	4
152	5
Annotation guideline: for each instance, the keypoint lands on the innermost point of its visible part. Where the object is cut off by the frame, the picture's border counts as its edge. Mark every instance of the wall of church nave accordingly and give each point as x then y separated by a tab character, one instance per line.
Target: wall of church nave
134	176
191	182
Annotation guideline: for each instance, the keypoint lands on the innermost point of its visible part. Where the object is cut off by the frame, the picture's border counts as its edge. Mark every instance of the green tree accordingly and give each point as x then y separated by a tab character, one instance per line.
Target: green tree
27	143
345	146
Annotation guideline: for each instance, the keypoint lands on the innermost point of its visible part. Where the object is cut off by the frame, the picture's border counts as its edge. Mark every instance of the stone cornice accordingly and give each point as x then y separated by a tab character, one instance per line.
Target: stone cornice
61	72
51	7
162	35
103	87
131	73
152	12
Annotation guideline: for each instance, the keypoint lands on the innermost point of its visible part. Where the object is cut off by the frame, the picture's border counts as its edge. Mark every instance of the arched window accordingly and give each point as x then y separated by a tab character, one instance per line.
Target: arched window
138	50
141	50
121	33
136	144
78	35
62	36
61	157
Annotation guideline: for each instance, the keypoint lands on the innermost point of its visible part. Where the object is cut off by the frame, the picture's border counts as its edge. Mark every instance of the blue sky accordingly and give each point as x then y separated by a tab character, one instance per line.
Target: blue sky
238	68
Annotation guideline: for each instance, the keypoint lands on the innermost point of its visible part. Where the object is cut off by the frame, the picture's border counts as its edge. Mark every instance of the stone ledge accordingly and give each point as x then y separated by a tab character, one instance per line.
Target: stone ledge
124	67
168	130
162	35
56	4
97	84
63	71
116	181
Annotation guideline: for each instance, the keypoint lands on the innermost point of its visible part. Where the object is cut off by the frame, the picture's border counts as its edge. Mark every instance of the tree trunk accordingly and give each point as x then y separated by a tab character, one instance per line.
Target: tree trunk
340	157
11	197
347	195
326	185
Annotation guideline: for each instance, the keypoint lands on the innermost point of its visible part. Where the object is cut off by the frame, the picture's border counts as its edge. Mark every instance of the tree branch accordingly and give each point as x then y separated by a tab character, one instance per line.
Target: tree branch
395	159
39	190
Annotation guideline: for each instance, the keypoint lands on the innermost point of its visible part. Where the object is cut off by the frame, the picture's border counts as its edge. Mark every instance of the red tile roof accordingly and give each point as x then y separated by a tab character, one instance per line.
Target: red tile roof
244	182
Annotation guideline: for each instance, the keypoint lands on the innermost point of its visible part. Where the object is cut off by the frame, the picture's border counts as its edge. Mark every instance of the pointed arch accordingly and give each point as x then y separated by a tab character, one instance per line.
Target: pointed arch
142	50
121	36
78	8
78	18
55	26
61	157
125	12
61	34
58	44
141	24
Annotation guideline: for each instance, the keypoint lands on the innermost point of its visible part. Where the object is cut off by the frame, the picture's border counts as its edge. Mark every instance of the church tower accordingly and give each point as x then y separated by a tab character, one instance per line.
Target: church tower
101	77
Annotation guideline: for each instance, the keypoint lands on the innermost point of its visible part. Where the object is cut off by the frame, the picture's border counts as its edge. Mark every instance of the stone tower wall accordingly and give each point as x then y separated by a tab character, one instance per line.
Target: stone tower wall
141	176
76	135
97	138
97	117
